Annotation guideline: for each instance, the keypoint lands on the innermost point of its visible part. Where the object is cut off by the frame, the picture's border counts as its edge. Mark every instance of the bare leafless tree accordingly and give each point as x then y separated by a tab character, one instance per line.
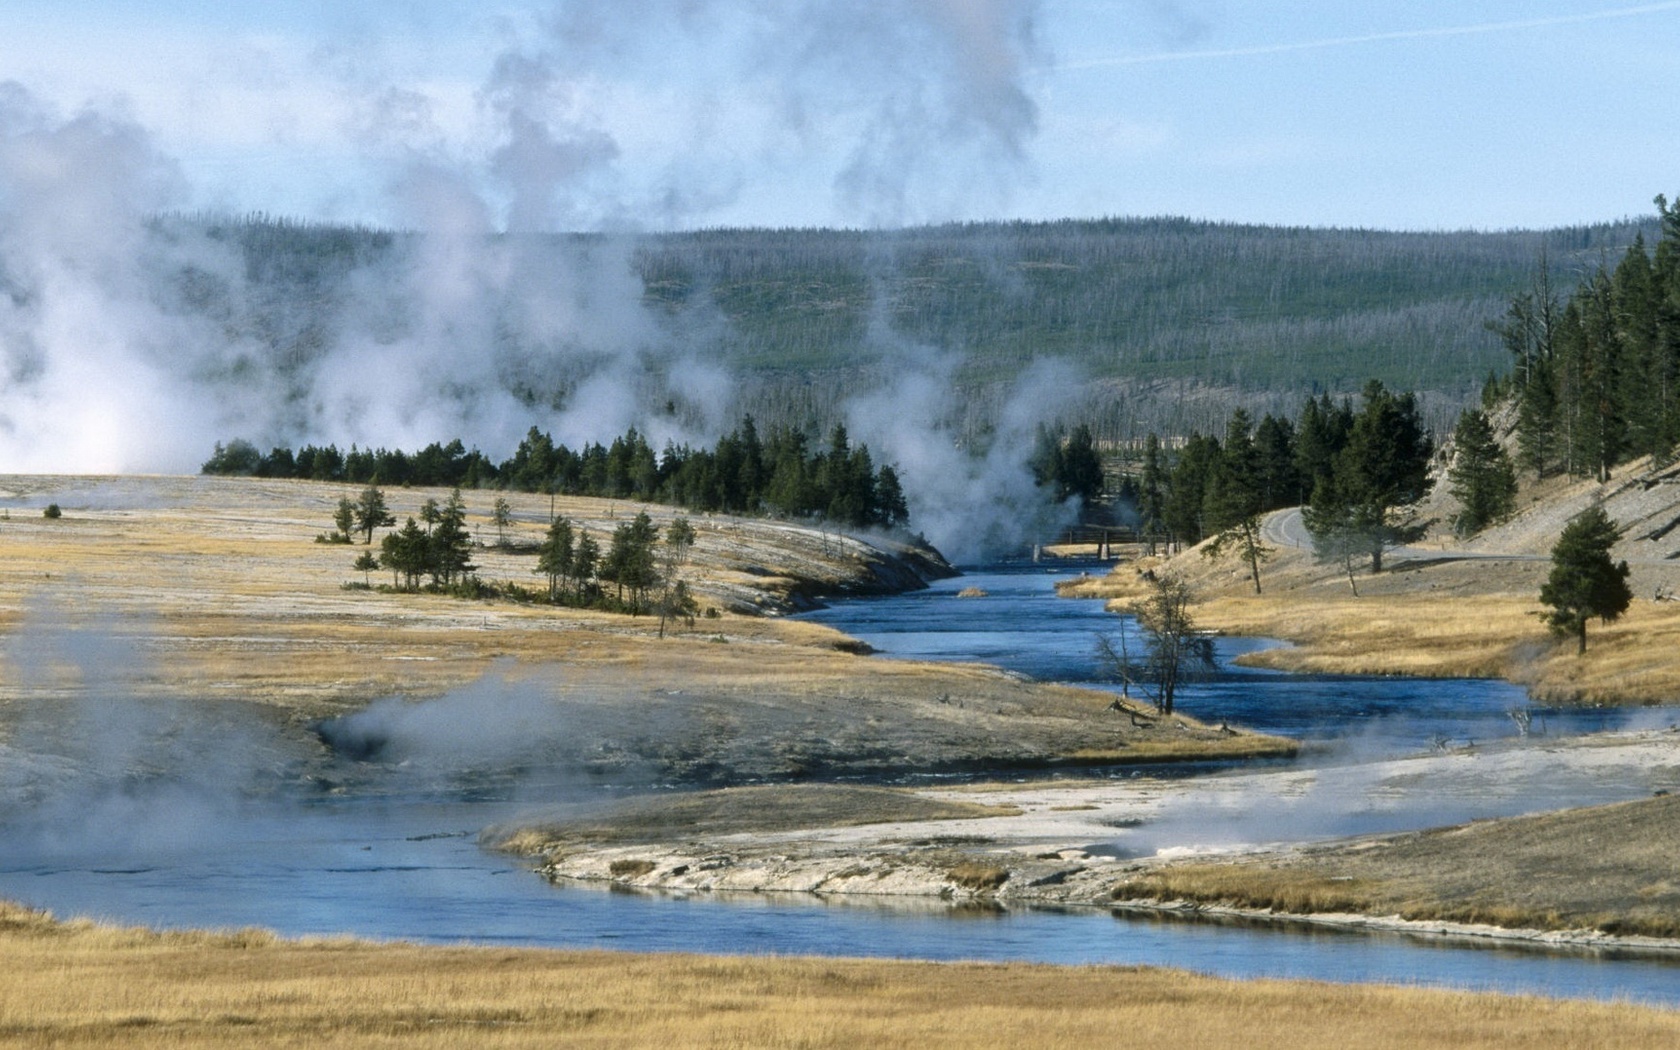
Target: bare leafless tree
1177	650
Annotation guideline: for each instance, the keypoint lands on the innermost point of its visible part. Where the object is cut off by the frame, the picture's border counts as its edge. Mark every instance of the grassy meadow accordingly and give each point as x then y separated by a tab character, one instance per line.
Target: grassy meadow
214	589
1606	868
1470	619
83	985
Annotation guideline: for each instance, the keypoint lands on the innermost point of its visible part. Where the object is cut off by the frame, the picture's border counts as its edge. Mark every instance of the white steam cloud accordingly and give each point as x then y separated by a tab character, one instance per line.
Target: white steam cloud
489	723
91	765
970	502
91	366
119	347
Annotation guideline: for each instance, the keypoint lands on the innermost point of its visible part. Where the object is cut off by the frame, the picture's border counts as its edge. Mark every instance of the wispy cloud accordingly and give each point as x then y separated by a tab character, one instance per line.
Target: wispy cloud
1327	43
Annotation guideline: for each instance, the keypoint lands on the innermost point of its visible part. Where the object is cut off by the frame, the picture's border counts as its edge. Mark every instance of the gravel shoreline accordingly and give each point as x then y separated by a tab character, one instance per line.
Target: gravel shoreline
1068	844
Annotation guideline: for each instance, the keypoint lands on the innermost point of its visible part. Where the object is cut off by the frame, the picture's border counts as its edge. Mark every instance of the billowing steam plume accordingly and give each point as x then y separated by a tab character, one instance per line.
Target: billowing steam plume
124	342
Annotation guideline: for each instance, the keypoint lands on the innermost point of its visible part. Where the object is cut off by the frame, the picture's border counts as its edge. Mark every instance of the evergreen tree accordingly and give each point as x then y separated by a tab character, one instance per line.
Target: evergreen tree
1082	469
631	563
1071	468
407	553
1633	305
1378	477
556	555
371	513
1529	332
752	476
1597	379
451	544
1537	419
1569	372
852	498
1152	483
344	519
279	463
1319	439
790	480
1339	529
365	563
1046	459
533	464
644	467
743	474
1186	494
889	495
1584	583
585	563
1231	502
238	457
1665	295
1481	476
1277	479
1602	424
501	516
675	600
320	464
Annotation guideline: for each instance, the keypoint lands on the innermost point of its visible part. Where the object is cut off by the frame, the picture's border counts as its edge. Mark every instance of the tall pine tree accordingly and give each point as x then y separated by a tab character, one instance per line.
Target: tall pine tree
1482	478
1584	582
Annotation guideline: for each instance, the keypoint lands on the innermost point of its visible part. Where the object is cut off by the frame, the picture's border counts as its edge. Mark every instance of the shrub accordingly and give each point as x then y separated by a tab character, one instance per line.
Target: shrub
979	876
52	511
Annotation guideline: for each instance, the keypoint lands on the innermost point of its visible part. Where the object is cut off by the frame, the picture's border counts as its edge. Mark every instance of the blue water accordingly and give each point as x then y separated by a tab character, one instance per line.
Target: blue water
378	863
413	872
1021	624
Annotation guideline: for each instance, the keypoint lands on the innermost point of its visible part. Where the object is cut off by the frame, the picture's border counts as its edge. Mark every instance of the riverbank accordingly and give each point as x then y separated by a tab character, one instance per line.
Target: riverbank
1442	619
1449	607
1249	843
213	591
1602	874
78	984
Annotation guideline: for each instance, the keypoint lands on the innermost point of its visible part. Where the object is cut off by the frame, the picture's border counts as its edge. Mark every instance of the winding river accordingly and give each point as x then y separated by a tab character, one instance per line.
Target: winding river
394	864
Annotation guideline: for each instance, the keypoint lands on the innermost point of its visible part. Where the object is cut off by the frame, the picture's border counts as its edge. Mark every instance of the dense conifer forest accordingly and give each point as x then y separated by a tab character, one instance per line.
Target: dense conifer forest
1167	323
742	474
1595	365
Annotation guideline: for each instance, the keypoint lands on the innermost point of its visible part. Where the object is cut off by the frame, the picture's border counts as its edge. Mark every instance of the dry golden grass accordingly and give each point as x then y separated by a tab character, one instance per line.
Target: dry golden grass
1609	868
1459	620
83	986
1463	637
223	592
1636	659
221	576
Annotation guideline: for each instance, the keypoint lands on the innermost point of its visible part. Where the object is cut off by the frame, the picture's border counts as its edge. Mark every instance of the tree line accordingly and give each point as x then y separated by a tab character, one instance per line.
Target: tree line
1251	315
744	473
1069	466
433	551
1357	473
1595	375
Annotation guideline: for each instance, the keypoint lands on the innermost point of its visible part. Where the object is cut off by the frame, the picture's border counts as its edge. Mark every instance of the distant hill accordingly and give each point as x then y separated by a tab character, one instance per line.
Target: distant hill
1172	320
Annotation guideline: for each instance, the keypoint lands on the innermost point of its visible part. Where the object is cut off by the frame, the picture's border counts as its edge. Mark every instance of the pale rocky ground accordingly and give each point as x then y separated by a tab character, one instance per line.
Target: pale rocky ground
212	592
1069	843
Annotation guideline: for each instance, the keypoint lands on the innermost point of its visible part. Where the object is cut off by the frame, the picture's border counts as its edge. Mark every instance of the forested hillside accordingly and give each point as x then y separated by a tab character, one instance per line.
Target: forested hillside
1595	372
1176	320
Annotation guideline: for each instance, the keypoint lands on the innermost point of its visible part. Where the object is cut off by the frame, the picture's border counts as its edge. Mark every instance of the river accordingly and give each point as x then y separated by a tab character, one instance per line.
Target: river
390	861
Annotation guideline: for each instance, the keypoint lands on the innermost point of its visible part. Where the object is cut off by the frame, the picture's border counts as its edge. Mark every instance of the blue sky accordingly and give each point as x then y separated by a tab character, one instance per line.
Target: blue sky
673	113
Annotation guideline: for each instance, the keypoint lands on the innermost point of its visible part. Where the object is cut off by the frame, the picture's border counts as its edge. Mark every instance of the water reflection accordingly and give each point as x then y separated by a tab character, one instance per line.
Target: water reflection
1021	624
375	861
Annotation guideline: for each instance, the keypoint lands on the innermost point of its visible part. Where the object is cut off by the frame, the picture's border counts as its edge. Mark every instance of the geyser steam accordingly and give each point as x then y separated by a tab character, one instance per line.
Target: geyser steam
120	344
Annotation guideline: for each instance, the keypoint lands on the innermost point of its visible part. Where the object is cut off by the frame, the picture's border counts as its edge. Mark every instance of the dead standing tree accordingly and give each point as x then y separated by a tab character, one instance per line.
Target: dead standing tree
1177	650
